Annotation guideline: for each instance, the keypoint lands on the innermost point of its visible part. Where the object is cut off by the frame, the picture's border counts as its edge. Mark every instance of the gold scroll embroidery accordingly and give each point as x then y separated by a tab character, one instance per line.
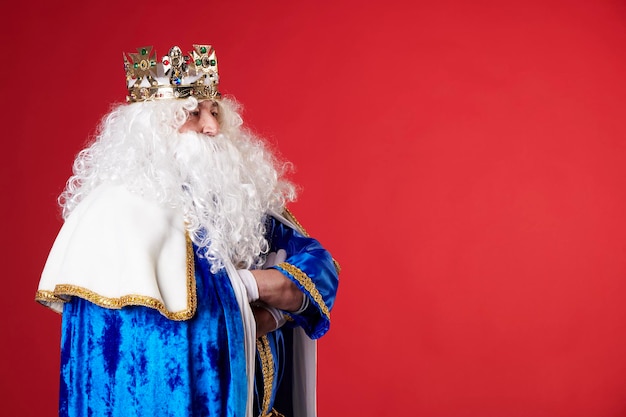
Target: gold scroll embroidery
308	285
267	368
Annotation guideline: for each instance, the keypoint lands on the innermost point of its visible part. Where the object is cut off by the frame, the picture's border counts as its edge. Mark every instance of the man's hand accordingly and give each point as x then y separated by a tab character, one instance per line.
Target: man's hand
265	322
277	290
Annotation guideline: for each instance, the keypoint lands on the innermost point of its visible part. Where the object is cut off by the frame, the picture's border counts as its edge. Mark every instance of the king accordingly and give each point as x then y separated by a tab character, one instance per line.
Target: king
185	285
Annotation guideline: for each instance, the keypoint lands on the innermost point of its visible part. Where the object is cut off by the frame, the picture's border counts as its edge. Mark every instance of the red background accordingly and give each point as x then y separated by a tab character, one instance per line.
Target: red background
464	162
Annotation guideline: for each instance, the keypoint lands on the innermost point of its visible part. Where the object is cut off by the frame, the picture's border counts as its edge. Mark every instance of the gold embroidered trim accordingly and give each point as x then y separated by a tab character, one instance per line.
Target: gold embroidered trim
267	368
45	296
308	285
337	267
289	216
61	290
48	299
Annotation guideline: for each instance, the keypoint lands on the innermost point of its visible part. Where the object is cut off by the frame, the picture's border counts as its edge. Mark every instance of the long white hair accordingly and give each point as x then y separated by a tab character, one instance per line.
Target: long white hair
225	185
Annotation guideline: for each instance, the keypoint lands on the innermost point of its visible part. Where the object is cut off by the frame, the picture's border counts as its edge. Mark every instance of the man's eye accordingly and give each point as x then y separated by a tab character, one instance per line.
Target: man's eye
195	113
214	113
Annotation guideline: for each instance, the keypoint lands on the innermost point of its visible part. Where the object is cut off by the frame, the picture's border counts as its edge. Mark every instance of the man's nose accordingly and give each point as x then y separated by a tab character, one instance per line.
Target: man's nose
209	125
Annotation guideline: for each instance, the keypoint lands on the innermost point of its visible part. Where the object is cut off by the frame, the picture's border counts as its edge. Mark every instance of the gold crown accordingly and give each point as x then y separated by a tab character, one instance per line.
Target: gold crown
175	76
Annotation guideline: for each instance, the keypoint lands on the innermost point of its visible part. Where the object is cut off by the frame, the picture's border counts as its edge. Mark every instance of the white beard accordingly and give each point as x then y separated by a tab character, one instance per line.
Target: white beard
228	187
225	185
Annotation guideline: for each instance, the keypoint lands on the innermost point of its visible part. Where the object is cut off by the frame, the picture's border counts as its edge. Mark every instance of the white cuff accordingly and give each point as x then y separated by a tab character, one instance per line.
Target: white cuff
250	283
278	315
303	306
274	258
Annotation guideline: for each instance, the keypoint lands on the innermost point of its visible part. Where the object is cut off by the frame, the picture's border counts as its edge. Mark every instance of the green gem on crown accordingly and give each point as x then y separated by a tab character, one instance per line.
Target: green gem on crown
212	62
198	62
203	49
144	51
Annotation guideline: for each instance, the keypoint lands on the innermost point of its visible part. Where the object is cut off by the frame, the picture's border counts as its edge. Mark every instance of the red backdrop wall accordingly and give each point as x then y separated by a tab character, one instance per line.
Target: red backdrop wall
464	162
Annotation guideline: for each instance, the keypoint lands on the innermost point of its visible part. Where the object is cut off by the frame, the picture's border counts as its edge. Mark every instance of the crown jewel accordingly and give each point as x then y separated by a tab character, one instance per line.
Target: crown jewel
174	76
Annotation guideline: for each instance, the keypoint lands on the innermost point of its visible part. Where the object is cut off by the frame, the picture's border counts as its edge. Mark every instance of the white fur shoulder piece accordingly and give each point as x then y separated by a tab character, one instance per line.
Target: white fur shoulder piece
117	249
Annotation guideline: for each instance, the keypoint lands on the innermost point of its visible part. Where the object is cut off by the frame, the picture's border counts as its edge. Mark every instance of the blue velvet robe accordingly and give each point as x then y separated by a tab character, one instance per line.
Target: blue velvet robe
134	361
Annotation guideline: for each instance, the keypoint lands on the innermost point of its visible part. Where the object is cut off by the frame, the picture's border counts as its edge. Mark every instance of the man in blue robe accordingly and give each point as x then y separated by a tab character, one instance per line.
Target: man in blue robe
186	286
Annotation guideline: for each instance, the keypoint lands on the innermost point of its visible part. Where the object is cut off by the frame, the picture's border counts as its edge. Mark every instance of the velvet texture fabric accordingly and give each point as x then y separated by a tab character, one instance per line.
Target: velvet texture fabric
136	362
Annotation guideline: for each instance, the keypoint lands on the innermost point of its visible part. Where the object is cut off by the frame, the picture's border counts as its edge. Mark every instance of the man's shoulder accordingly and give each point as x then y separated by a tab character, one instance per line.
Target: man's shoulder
125	249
